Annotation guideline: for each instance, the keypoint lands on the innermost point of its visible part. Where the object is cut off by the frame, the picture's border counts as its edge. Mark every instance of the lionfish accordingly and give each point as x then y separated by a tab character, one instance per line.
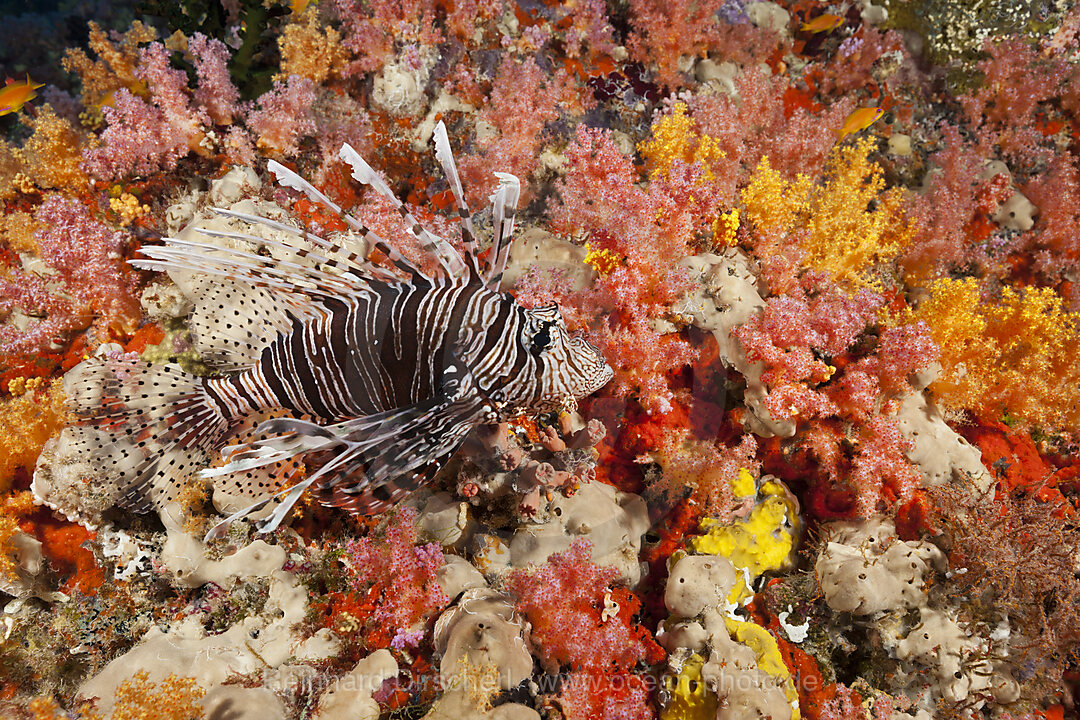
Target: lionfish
383	368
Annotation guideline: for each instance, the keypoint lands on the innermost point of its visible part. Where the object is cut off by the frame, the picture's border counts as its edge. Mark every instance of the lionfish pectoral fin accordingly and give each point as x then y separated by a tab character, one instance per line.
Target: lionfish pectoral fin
390	454
286	499
285	439
379	458
288	441
363	499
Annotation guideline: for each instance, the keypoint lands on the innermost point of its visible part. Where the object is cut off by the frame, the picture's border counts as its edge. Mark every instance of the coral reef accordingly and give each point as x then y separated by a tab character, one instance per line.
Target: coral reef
830	251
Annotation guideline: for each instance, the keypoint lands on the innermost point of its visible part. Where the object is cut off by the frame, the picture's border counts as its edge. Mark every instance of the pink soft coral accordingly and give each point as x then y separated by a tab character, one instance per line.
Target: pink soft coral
283	116
1056	234
564	599
216	92
645	232
665	33
402	575
87	256
137	140
945	209
756	123
523	100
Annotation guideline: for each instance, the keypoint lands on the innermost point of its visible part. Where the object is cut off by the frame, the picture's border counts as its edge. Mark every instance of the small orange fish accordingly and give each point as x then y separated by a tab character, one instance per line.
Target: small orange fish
859	120
822	23
16	94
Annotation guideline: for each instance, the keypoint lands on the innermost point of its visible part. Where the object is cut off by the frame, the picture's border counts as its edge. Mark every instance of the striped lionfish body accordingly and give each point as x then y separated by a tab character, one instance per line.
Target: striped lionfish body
384	368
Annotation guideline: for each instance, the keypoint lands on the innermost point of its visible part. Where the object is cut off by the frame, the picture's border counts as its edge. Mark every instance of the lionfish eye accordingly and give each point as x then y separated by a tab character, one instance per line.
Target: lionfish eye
541	341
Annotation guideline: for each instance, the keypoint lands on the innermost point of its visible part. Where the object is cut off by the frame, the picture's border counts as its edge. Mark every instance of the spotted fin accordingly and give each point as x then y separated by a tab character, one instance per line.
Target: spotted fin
151	427
233	322
376	458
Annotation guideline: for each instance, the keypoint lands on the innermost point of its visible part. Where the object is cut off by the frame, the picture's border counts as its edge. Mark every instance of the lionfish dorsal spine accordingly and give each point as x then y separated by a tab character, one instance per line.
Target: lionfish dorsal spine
503	208
290	179
449	260
445	157
351	264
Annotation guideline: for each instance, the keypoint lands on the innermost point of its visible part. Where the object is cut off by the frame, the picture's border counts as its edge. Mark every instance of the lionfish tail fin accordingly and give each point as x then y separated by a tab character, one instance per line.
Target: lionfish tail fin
150	427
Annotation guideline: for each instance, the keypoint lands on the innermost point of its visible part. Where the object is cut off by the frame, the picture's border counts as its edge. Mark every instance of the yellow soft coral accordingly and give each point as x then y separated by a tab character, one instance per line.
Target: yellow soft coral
45	708
311	50
726	228
853	225
128	208
17	231
29	419
675	137
772	204
604	262
1014	354
50	157
847	225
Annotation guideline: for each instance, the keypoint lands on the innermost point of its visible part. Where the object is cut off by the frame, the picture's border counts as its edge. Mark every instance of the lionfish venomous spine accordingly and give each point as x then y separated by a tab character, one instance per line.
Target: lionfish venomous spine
384	367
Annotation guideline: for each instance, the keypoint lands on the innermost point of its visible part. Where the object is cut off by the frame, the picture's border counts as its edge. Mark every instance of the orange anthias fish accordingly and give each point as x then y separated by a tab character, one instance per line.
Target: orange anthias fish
859	120
16	94
822	23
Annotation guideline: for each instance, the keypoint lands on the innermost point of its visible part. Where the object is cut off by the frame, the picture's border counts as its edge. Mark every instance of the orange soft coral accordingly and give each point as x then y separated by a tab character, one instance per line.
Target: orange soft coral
174	698
311	50
1016	354
50	158
12	509
30	417
115	66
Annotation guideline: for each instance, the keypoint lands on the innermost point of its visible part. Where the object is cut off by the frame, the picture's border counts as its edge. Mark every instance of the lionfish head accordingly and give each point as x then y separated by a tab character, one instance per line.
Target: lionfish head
567	367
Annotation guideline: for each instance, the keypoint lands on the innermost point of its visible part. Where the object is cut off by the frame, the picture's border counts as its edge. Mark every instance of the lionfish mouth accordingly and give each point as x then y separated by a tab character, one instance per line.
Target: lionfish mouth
598	373
602	378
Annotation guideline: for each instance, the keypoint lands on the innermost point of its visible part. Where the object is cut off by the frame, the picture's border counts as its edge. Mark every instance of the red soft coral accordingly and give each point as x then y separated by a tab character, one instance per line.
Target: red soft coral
403	575
610	695
566	600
